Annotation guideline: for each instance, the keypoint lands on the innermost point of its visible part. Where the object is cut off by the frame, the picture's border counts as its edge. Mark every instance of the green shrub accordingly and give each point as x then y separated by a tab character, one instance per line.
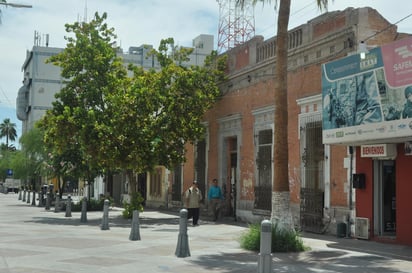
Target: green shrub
283	240
136	201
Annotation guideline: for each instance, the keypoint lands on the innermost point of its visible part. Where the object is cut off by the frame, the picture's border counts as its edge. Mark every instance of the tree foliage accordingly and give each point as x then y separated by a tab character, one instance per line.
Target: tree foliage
104	119
160	111
29	161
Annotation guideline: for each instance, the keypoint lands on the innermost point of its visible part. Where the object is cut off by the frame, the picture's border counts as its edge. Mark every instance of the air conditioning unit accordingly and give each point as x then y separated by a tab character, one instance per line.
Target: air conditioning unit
362	228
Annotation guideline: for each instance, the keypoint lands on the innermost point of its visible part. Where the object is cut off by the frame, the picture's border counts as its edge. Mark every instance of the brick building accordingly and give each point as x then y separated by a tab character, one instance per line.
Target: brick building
238	147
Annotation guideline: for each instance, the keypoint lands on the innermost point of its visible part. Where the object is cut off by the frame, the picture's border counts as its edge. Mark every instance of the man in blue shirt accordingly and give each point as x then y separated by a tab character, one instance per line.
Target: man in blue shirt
215	196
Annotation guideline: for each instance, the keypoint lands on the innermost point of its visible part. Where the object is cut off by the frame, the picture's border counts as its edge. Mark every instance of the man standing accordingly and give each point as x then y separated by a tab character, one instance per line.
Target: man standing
215	196
193	196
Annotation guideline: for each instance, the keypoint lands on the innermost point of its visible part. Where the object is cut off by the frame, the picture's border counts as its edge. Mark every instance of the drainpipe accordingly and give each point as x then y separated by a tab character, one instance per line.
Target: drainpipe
348	231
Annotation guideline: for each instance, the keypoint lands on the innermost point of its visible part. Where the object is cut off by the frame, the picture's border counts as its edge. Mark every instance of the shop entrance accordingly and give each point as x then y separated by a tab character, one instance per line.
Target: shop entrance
385	198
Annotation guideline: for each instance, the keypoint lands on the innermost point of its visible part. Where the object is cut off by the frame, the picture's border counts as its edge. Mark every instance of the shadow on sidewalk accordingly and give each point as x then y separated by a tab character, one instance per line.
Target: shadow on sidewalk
296	262
370	247
228	262
114	221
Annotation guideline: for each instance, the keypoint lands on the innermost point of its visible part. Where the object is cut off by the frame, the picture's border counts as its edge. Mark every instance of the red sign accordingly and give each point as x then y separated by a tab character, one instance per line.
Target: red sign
379	150
397	60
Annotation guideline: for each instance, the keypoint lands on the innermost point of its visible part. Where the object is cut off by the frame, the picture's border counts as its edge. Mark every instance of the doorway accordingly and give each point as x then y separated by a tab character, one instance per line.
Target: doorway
385	197
229	186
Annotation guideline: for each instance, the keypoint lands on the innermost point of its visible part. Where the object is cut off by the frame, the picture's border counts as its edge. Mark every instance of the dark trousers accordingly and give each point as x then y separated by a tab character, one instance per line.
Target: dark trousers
193	213
215	203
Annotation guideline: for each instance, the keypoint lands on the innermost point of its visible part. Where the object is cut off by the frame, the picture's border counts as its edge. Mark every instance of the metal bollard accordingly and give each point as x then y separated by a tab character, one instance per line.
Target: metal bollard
265	255
33	201
47	201
135	232
182	248
69	207
105	220
83	217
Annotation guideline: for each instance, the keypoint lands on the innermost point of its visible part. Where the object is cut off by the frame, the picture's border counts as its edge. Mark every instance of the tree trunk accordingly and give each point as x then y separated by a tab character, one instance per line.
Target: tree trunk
281	195
61	185
132	182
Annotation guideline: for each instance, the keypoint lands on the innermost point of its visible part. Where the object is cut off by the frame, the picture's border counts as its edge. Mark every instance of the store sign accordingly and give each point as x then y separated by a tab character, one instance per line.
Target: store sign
379	150
367	100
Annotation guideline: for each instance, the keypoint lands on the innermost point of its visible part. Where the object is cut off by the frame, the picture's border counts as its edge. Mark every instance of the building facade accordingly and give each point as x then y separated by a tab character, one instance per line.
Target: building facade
238	147
368	106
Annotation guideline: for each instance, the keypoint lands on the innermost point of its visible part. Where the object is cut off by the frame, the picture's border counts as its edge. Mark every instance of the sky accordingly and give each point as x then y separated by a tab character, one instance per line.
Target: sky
138	22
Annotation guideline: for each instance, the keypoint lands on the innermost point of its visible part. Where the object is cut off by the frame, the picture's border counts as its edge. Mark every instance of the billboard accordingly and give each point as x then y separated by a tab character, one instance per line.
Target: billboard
369	100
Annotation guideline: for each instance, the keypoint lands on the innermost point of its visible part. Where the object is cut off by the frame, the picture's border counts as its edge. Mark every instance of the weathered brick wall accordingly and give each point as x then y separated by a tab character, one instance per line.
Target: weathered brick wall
251	86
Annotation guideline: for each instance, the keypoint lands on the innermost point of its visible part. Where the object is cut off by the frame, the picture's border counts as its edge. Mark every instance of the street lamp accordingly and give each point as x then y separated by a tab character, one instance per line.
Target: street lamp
14	5
362	49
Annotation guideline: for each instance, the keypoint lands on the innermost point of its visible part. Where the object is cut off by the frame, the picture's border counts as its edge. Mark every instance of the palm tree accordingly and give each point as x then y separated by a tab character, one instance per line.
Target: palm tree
281	195
8	130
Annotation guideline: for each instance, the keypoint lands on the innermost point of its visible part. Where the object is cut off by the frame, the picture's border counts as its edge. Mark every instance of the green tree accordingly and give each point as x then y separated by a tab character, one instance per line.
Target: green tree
92	71
8	130
160	111
5	162
29	162
110	121
281	194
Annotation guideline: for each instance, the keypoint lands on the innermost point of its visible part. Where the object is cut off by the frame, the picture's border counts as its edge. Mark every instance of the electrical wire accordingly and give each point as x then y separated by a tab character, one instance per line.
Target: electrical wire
4	94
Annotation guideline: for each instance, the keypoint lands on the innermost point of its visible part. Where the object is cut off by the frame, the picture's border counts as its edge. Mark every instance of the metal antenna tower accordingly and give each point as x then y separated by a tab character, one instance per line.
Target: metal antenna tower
236	24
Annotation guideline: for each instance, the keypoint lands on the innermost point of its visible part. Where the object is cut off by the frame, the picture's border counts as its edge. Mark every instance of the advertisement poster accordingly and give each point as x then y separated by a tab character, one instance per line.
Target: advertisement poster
369	100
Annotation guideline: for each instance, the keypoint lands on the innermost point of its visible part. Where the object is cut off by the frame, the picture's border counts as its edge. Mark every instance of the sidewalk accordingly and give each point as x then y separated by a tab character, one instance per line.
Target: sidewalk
34	240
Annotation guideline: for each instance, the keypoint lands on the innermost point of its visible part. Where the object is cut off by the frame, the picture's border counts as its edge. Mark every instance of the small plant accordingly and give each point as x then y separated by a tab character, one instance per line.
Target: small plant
283	240
136	201
250	240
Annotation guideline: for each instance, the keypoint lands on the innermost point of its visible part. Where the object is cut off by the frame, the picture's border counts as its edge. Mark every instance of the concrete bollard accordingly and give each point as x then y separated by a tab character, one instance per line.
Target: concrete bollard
20	195
57	203
182	248
33	201
69	207
28	197
24	196
41	199
83	217
135	232
105	219
265	255
47	201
